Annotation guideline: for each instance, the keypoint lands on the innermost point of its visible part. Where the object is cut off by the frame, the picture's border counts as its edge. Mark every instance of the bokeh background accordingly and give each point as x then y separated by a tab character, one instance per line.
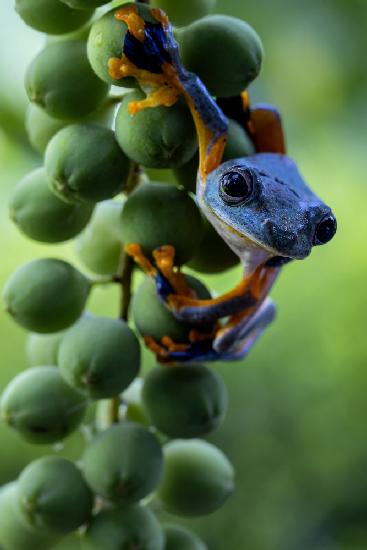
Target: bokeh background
296	430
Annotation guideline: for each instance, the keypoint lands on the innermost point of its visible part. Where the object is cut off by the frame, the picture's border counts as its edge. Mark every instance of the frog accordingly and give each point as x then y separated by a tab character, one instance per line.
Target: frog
260	205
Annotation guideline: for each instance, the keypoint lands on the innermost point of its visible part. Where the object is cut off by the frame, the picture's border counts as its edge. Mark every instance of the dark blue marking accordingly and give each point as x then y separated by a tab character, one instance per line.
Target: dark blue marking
150	54
163	286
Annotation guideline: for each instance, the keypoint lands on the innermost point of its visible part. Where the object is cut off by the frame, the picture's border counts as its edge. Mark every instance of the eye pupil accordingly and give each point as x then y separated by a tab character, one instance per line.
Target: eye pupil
236	186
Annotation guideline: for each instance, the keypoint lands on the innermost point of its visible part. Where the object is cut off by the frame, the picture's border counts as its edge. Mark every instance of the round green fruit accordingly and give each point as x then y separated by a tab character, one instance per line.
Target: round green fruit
41	127
14	533
42	349
182	13
180	538
127	527
51	16
162	137
157	214
99	356
123	463
186	175
99	246
225	52
84	4
197	478
43	216
134	407
238	143
61	81
84	163
213	254
53	496
153	318
184	401
46	295
40	406
106	41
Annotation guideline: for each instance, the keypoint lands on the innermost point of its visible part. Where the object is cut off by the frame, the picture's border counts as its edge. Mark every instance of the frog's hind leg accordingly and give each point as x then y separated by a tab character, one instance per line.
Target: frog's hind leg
238	336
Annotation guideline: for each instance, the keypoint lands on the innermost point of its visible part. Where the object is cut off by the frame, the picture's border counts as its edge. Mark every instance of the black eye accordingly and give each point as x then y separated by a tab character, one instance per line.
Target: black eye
236	187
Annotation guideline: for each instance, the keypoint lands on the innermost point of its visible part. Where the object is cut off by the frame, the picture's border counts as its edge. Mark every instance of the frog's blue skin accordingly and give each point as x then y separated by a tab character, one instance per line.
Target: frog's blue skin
276	224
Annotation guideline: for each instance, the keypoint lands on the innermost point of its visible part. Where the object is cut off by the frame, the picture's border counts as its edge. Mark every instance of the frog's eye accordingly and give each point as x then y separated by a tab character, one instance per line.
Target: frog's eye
236	187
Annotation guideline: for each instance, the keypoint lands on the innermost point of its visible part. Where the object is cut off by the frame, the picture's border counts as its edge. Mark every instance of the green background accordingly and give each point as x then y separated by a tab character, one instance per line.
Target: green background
296	428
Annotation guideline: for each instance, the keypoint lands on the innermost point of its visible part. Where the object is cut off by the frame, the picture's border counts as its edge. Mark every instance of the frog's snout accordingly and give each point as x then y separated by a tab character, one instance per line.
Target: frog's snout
325	229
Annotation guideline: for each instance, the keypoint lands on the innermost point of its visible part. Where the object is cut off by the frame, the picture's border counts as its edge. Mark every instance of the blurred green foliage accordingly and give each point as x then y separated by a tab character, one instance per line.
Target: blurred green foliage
296	428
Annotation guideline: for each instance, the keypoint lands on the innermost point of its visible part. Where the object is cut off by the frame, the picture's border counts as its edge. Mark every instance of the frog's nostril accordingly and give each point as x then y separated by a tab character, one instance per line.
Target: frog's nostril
325	230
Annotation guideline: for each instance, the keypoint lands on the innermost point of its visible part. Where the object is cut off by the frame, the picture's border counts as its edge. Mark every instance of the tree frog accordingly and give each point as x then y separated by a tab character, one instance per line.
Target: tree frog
260	204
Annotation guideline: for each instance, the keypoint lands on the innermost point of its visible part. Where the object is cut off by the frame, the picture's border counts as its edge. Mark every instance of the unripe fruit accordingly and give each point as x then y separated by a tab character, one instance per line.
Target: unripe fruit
132	399
42	349
106	41
123	463
213	254
127	527
14	533
225	52
159	137
179	538
41	127
99	357
84	4
41	406
51	16
99	246
197	478
186	175
157	214
84	163
153	318
46	295
238	143
184	401
42	215
61	81
182	13
53	496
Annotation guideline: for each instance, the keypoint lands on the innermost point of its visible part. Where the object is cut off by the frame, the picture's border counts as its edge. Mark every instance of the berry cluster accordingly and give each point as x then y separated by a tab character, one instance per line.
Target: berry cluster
94	186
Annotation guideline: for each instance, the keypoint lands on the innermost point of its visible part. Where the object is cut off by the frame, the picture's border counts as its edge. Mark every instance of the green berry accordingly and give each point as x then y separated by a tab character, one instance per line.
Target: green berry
186	175
43	216
213	254
41	406
132	399
123	463
159	137
99	356
238	143
14	533
128	527
157	214
41	127
182	13
53	496
84	4
99	246
61	81
84	162
180	538
46	295
184	401
153	318
197	478
106	41
42	349
51	16
225	52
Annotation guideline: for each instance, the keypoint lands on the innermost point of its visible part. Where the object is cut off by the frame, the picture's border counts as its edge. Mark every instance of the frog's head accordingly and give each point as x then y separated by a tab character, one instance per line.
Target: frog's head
263	201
